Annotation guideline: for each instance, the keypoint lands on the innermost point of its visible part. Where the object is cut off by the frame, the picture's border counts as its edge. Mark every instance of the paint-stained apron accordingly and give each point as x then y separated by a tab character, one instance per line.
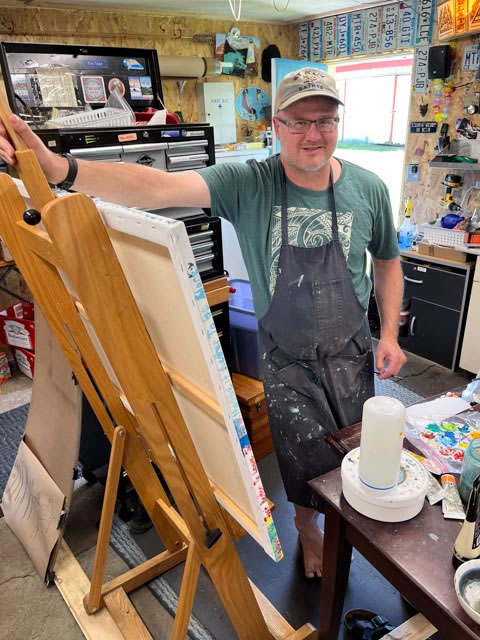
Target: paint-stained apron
317	356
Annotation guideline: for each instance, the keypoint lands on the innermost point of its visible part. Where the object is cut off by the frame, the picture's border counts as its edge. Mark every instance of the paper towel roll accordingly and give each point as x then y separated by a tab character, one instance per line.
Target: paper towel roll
381	442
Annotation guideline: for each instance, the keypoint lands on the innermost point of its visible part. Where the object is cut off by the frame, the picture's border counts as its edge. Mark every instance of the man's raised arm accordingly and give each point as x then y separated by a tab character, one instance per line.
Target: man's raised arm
128	184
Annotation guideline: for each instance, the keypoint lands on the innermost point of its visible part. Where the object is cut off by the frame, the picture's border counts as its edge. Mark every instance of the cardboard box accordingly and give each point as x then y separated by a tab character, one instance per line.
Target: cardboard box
17	325
4	368
4	252
447	253
25	360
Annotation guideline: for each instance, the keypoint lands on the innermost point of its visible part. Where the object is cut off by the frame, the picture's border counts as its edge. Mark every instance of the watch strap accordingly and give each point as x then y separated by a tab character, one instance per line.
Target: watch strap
71	174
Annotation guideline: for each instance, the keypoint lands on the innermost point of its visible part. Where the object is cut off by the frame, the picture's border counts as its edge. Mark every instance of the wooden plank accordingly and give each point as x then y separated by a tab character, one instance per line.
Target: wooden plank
146	571
187	594
126	616
416	628
276	623
73	584
197	395
92	601
39	242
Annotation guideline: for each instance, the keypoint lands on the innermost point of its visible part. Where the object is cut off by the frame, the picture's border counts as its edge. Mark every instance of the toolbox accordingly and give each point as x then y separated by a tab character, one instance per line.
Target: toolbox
251	398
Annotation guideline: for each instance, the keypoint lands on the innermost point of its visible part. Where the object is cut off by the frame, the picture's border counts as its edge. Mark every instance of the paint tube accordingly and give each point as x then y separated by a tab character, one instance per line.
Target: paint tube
435	493
452	506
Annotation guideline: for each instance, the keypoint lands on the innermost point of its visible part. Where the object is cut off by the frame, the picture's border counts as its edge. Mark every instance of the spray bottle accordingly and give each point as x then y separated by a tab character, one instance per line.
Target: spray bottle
407	230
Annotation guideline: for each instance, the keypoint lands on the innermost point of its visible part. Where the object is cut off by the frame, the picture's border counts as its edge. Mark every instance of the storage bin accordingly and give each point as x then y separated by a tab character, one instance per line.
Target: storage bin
107	117
244	330
448	237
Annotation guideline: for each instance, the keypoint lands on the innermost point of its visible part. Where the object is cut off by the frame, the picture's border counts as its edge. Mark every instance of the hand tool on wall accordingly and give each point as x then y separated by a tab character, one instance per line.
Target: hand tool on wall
450	182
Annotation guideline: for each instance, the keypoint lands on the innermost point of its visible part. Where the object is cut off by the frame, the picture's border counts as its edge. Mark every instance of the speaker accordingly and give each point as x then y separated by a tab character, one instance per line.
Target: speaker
439	61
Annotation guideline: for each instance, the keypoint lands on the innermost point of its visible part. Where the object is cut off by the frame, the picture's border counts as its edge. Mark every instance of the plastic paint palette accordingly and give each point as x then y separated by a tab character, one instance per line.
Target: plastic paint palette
396	505
449	439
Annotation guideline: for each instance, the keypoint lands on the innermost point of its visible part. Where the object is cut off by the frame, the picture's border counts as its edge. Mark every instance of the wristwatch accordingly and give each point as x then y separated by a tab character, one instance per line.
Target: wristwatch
72	172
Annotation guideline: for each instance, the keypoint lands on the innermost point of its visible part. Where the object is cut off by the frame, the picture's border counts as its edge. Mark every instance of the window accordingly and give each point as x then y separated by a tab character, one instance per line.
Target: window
373	125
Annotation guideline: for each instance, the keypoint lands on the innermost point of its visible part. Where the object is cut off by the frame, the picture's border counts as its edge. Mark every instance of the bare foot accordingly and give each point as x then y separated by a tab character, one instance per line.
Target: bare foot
311	539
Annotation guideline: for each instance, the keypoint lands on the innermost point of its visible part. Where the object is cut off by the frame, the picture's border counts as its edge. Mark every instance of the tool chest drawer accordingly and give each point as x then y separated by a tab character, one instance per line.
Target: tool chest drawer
220	318
433	284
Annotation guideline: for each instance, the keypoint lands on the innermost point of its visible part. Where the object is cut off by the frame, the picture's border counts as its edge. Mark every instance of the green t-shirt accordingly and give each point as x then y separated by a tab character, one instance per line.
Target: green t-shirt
249	196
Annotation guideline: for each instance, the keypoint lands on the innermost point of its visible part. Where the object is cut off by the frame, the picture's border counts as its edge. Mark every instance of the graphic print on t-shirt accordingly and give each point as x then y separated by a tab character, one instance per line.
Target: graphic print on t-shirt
307	228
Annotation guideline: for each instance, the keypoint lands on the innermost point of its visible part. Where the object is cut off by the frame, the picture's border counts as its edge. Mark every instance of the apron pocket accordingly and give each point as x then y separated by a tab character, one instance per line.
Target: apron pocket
293	380
328	303
349	374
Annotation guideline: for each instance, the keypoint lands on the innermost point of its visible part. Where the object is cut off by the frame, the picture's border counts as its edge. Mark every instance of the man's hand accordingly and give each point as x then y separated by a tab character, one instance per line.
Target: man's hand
389	358
54	167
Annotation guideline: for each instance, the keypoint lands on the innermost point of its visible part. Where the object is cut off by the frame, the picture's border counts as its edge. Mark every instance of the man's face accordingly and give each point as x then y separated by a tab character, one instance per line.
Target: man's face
312	150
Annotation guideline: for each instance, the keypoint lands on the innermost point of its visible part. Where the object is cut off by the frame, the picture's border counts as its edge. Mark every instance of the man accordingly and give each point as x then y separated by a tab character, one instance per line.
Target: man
304	221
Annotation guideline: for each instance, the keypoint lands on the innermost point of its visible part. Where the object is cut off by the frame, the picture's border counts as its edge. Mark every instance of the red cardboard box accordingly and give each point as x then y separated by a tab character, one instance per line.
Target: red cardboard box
25	360
4	368
17	326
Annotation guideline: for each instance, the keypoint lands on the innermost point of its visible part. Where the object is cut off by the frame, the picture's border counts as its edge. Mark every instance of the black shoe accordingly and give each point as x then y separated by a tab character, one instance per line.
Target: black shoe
140	521
362	624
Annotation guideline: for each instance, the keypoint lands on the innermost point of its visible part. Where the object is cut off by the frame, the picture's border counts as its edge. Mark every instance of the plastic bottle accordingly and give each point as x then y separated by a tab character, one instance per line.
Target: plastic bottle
268	137
467	544
381	441
407	230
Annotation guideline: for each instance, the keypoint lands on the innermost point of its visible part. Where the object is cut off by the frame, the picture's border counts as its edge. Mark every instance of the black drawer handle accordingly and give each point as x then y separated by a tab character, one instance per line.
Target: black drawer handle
412	280
412	325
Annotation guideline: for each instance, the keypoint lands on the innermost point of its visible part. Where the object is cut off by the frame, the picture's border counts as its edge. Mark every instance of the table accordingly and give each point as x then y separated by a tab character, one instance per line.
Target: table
414	556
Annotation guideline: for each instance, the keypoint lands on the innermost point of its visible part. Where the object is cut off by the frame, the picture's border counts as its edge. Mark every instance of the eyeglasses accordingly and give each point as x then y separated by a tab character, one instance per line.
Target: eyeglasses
324	125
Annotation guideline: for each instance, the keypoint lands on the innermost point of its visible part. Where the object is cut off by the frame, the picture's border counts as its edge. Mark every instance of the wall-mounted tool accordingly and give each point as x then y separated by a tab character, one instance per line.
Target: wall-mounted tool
451	182
443	141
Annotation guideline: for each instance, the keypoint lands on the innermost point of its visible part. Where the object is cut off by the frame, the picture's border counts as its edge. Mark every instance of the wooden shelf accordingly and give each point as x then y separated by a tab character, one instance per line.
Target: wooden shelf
466	266
459	166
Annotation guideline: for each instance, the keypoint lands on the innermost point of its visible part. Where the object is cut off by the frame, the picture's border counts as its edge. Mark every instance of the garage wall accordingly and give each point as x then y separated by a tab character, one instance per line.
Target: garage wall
420	147
169	35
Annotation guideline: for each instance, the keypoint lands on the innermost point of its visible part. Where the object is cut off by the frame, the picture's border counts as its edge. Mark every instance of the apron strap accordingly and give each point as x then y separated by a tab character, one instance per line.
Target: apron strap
331	202
333	208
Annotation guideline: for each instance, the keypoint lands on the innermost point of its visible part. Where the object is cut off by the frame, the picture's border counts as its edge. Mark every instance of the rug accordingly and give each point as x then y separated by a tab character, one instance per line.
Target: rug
391	388
12	426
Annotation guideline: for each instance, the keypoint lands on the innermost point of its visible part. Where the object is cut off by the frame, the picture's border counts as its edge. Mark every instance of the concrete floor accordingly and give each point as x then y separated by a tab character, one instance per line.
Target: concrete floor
28	610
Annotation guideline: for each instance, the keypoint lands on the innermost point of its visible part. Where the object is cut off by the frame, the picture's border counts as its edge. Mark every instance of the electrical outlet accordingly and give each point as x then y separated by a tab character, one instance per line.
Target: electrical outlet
413	173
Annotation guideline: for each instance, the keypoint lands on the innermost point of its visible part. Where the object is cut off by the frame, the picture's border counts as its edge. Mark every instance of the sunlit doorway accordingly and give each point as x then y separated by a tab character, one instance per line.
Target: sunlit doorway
373	125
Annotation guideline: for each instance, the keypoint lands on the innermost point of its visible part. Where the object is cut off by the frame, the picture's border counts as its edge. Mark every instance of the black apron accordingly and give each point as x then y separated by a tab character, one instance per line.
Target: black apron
317	357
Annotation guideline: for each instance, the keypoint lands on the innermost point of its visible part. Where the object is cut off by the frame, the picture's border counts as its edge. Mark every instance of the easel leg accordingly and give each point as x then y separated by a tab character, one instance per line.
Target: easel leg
228	575
187	594
92	599
337	554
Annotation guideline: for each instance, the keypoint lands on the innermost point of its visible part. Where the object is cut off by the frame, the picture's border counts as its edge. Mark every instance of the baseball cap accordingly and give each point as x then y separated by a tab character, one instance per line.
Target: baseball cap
305	83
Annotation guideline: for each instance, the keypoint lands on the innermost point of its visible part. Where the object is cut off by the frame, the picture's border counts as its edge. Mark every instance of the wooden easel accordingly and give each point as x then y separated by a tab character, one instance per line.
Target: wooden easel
75	243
